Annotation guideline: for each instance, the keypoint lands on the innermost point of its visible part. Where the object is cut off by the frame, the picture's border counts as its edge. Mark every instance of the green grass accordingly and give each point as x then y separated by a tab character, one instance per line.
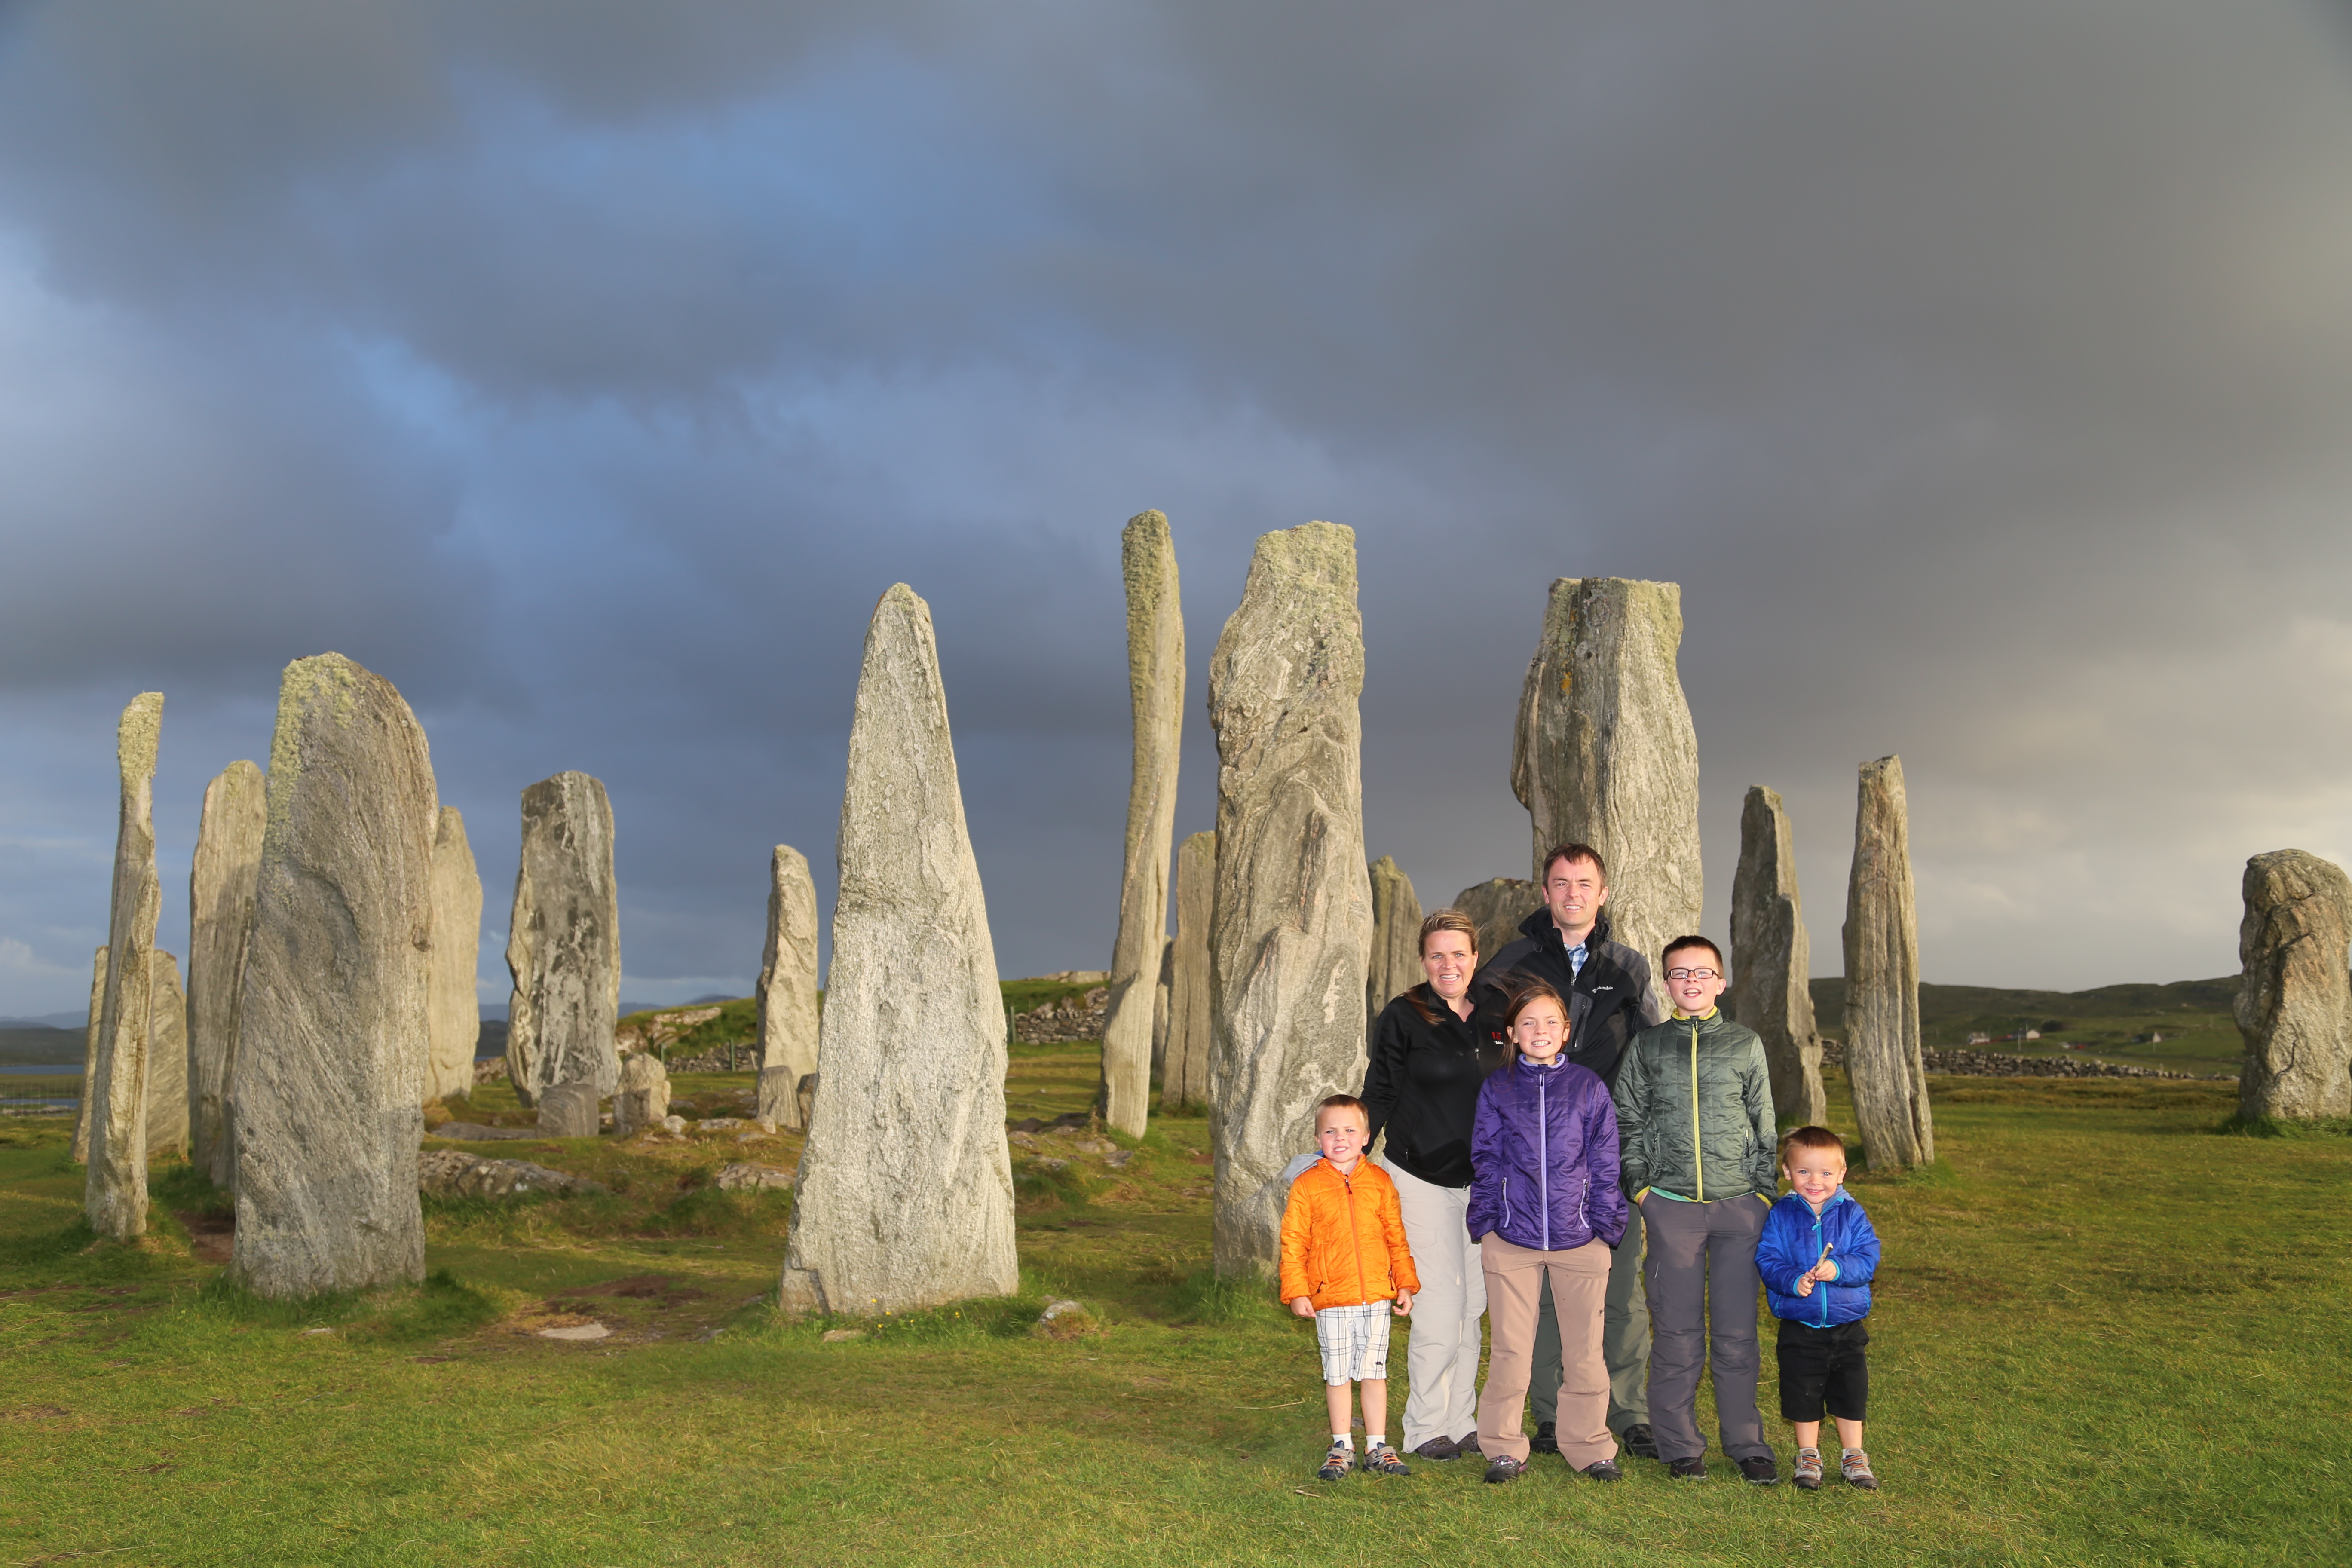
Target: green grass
2109	1331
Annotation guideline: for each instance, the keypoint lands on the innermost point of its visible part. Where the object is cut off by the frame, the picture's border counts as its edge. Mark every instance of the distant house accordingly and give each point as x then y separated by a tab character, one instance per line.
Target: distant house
1979	1039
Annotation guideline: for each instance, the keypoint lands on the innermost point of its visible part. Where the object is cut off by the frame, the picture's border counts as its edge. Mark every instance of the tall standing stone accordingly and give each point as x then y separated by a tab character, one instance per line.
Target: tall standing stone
904	1197
1185	1076
1396	937
453	1008
1497	907
90	1057
114	1193
1166	968
167	1057
221	882
1293	919
564	943
1882	978
1605	755
788	1003
2294	1004
1155	681
332	1035
1773	959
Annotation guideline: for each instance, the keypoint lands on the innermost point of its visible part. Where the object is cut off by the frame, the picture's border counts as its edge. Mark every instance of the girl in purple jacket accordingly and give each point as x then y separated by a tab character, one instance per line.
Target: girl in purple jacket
1543	1191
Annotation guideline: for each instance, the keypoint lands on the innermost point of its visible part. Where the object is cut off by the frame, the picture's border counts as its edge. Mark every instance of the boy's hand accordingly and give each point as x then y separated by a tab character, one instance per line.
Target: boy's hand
1805	1283
1403	1302
1303	1306
1825	1269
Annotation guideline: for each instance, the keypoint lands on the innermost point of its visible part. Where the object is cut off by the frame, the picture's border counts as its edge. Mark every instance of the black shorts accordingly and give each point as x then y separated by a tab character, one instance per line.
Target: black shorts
1823	1369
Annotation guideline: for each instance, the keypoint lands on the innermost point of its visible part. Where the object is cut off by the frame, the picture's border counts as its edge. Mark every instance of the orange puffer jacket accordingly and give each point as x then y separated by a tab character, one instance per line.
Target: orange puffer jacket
1343	1238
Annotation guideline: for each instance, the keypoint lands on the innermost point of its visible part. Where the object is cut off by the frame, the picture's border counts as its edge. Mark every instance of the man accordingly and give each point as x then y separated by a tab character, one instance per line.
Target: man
1566	944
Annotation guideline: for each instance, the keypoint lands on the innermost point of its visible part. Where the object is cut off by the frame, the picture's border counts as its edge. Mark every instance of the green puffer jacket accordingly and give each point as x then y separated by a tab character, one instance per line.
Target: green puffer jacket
1694	1111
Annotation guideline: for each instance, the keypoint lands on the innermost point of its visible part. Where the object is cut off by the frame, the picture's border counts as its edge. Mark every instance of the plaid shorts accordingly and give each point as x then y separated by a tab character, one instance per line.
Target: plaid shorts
1355	1341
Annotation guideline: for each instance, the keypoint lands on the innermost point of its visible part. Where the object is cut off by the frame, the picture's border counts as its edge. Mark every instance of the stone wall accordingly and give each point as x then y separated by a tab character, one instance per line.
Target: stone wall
1961	1063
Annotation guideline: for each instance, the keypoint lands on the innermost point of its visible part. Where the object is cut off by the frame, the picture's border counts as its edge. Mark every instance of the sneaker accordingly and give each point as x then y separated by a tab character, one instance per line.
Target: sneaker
1602	1470
1503	1467
1760	1470
1639	1442
1380	1460
1854	1466
1337	1461
1686	1469
1439	1449
1468	1443
1807	1471
1547	1438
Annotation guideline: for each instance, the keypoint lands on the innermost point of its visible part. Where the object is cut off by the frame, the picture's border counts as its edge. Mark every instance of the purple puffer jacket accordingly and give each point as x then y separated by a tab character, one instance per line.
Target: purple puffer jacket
1543	1149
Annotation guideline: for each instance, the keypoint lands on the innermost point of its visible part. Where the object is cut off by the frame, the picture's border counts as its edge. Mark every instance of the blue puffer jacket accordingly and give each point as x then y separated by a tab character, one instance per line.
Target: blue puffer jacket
1791	1244
1543	1155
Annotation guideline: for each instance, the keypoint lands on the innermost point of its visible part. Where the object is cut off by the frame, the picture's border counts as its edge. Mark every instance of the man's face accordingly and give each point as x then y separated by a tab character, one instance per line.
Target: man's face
1575	892
1693	978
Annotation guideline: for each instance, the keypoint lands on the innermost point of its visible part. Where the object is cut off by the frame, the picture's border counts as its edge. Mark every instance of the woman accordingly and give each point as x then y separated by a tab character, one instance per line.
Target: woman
1431	1048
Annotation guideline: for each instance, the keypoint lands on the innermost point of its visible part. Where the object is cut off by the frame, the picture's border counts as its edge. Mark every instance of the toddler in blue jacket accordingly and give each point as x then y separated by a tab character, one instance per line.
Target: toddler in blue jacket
1817	1254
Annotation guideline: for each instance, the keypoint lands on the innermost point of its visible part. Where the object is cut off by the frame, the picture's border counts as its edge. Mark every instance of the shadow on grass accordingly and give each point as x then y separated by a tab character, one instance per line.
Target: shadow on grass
2280	1127
440	1308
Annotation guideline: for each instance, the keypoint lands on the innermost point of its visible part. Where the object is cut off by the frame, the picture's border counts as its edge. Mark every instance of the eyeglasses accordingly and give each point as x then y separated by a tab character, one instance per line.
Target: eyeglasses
1691	974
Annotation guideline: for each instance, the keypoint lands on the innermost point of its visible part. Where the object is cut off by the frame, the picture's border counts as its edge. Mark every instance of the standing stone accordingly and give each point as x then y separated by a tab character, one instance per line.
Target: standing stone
563	943
2295	1006
788	1005
1772	960
114	1193
569	1110
1167	971
221	882
905	1191
643	1099
1605	755
331	1030
453	1009
90	1057
1395	964
1882	979
1293	919
1185	1076
1155	681
167	1057
1497	907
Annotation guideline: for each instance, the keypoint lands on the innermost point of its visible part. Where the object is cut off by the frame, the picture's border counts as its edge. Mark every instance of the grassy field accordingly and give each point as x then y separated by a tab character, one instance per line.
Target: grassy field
2185	1027
2108	1331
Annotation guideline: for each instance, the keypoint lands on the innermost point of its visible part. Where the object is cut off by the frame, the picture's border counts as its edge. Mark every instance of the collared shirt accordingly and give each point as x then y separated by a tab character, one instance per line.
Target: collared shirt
1576	957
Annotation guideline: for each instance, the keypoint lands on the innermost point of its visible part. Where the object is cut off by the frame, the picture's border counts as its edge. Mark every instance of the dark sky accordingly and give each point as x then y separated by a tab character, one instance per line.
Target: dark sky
1983	371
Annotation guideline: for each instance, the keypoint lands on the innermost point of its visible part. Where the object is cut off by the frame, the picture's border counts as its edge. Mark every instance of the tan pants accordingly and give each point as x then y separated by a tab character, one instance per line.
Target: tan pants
1516	1276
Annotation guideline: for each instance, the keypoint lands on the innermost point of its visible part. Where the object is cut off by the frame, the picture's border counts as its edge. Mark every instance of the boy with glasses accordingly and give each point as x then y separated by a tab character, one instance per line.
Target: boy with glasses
1694	1123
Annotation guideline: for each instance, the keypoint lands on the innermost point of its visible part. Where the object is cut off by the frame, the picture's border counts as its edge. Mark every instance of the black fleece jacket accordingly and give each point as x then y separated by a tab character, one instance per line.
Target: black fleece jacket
1607	1003
1421	1080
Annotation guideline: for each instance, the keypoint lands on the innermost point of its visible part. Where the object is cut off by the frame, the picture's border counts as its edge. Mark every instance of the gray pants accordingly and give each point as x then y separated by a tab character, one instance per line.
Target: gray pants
1702	1282
1624	1342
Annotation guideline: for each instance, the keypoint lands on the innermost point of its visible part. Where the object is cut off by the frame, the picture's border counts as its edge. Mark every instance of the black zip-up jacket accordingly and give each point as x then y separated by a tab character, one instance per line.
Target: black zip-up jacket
1607	1003
1421	1080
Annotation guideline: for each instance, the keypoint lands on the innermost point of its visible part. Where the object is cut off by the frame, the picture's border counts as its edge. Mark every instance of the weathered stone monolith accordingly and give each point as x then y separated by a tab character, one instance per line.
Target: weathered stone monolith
1396	938
563	943
787	994
1605	755
1155	682
1882	979
643	1099
333	1035
1293	918
114	1193
452	1005
1185	1076
1167	969
569	1110
89	1055
1773	959
221	882
167	1057
2294	1004
905	1189
1497	907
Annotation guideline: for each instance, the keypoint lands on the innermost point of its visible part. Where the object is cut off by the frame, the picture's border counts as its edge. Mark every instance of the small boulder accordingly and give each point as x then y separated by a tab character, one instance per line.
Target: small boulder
747	1178
455	1173
643	1098
568	1110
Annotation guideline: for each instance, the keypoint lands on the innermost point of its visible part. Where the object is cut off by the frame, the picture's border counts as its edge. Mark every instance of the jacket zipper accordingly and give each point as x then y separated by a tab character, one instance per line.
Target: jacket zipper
1356	1239
1698	1153
1543	1163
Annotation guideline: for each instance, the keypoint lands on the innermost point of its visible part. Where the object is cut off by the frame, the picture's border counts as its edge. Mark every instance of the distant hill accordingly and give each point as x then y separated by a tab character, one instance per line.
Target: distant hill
41	1044
2186	1025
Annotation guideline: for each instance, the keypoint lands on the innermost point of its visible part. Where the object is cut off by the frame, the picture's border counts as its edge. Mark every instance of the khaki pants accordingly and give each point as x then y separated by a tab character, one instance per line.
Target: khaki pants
1579	1281
1624	1340
1442	1354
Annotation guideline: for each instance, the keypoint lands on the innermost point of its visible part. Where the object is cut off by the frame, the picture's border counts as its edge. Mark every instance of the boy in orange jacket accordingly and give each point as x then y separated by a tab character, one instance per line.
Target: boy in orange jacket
1344	1260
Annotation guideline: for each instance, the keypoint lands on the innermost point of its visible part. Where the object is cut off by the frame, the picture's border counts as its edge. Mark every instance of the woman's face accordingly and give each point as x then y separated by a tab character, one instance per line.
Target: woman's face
1541	1030
1449	961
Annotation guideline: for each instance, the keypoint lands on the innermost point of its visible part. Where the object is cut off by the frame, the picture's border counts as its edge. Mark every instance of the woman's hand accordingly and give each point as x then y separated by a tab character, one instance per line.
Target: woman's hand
1303	1306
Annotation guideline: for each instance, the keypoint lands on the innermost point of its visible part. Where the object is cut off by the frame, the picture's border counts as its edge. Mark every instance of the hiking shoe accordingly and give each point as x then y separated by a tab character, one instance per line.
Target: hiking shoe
1686	1469
1380	1460
1468	1443
1760	1470
1602	1470
1854	1466
1546	1437
1439	1449
1807	1471
1337	1461
1503	1467
1639	1442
